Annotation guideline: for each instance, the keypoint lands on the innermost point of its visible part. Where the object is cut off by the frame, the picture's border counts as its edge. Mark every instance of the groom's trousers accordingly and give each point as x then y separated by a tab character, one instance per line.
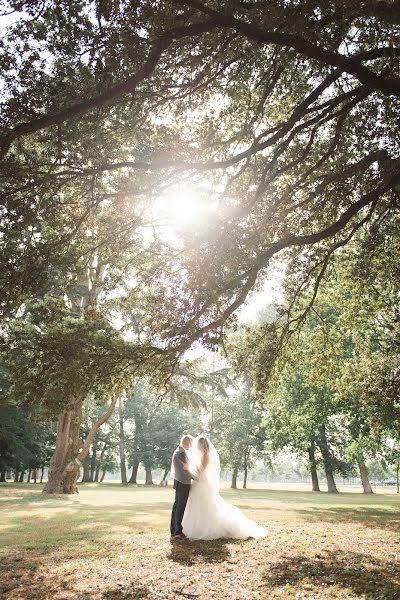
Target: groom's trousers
181	497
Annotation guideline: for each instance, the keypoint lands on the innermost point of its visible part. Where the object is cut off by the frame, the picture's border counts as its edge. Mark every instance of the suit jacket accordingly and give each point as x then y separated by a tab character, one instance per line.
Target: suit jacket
181	467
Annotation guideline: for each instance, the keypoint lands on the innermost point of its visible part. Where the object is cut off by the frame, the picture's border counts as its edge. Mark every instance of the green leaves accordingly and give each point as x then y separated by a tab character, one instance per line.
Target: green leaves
53	356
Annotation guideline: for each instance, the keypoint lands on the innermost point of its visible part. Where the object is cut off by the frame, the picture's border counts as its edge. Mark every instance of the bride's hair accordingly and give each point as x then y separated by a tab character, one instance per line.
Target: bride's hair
204	448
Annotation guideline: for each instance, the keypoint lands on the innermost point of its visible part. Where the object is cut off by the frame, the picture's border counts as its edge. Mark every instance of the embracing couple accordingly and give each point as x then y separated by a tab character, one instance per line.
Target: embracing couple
199	512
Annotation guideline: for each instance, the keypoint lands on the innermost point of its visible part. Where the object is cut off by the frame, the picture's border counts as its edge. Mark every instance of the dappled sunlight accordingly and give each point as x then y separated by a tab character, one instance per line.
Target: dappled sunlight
334	572
110	541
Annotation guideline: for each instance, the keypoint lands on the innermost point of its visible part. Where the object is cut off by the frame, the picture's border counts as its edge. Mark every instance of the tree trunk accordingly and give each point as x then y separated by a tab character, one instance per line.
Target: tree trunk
3	476
99	462
327	460
35	474
41	474
364	476
103	475
16	475
234	478
21	477
133	477
313	466
245	469
64	467
86	470
93	460
122	459
397	476
149	477
29	476
70	451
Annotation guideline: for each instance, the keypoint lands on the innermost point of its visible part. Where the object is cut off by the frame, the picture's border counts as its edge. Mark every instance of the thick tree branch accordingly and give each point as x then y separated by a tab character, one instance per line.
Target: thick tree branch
128	86
348	64
92	433
250	277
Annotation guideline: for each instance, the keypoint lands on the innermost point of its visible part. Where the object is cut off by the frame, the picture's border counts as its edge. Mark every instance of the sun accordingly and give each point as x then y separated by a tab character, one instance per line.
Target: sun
184	207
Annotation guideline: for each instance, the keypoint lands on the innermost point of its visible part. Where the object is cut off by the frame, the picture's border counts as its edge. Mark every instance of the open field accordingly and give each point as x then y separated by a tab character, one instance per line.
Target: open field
110	542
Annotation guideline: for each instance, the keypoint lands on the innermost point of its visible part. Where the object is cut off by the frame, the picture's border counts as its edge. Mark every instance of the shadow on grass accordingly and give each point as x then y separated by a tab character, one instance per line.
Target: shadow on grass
21	580
365	576
133	591
369	516
190	553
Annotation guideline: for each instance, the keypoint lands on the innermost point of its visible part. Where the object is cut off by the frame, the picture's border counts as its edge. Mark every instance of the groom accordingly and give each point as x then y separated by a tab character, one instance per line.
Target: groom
182	482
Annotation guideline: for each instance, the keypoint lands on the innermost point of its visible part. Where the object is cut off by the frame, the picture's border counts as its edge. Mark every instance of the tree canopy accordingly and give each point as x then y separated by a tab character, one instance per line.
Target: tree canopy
289	111
278	122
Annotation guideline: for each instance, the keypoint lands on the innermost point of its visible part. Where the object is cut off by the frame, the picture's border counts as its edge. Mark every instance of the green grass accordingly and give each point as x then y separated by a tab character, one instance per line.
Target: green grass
111	542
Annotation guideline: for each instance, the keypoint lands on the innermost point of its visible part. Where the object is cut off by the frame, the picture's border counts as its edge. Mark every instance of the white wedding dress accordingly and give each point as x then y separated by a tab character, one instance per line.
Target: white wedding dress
207	515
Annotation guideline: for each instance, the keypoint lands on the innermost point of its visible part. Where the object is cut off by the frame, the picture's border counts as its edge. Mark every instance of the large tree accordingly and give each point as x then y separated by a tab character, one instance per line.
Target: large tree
289	110
283	116
56	359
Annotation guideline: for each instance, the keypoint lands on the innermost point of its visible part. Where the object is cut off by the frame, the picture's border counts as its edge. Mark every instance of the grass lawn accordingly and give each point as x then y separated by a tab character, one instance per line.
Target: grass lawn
110	542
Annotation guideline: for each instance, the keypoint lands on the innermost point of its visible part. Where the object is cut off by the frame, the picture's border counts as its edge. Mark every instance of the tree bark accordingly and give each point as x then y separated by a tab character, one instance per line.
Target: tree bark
70	452
103	475
397	476
98	465
313	466
29	476
3	476
21	477
35	474
327	460
133	477
234	478
364	476
86	470
41	474
149	477
245	469
64	467
124	479
16	474
93	460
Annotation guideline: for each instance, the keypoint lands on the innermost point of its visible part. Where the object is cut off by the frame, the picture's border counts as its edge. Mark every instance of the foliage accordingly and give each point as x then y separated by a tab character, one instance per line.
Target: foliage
158	424
237	428
289	111
24	442
282	117
52	355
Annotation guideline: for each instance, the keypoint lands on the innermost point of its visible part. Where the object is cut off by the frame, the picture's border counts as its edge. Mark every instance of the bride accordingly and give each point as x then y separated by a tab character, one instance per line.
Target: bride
207	515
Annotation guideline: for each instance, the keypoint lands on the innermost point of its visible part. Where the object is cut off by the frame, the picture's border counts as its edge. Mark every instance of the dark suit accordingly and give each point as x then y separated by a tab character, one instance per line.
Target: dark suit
182	483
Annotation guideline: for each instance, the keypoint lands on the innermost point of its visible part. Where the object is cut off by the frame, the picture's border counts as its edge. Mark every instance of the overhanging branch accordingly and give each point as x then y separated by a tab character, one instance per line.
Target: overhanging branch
348	64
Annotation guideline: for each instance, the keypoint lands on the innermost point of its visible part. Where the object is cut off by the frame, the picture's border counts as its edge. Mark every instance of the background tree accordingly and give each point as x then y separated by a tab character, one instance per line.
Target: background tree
238	430
158	423
46	350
